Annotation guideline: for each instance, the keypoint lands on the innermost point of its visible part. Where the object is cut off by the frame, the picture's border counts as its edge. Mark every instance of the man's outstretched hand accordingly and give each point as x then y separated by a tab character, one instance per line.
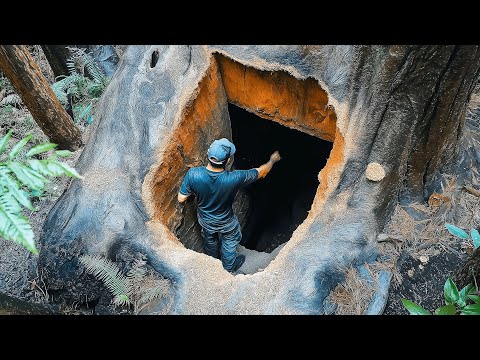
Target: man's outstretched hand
275	157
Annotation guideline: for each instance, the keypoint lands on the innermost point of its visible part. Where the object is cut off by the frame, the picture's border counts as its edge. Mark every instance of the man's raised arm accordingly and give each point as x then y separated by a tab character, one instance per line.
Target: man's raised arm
265	168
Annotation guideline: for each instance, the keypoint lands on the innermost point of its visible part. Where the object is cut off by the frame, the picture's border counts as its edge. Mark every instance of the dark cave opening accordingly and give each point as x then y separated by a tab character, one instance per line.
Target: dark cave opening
281	201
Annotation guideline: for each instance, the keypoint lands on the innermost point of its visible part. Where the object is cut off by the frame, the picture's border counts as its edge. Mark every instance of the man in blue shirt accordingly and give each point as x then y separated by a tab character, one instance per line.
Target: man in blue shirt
215	190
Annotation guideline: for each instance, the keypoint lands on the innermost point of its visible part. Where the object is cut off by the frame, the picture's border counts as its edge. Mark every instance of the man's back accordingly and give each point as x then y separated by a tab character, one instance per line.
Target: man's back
215	193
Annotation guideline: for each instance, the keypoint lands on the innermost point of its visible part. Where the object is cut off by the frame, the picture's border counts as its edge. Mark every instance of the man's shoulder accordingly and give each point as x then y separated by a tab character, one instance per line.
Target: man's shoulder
195	172
196	169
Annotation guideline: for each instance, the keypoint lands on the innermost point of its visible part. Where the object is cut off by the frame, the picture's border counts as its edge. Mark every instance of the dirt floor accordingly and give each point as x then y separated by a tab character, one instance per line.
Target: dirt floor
421	255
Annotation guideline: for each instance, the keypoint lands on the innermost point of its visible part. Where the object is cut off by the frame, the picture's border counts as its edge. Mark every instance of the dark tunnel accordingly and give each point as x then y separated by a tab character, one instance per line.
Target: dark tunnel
280	202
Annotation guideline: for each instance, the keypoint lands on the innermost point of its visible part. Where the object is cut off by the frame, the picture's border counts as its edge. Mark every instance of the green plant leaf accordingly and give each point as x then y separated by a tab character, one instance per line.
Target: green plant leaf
474	298
456	231
36	193
27	177
4	140
40	149
108	272
54	167
462	295
40	167
121	300
413	308
450	292
446	310
69	171
14	226
63	153
473	309
18	146
85	111
20	195
476	238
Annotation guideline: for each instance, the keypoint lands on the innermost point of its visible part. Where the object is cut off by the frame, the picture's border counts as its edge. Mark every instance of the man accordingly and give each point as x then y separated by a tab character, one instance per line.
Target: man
215	189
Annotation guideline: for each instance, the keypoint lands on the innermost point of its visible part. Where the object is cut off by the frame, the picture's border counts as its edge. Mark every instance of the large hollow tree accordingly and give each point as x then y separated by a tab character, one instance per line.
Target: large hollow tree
29	83
402	107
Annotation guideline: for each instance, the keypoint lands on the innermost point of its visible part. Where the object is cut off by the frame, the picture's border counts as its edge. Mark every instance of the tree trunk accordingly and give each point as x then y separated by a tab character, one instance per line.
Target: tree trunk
469	272
36	93
402	107
57	56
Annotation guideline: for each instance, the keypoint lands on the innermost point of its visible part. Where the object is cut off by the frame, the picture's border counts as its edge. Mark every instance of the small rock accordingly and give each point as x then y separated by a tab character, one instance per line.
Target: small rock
410	272
420	267
423	259
387	237
375	171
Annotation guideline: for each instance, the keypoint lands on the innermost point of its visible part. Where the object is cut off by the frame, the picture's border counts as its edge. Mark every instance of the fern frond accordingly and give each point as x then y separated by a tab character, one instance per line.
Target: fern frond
14	188
13	225
4	140
134	276
72	68
121	300
19	146
93	69
153	293
138	271
108	272
12	99
30	178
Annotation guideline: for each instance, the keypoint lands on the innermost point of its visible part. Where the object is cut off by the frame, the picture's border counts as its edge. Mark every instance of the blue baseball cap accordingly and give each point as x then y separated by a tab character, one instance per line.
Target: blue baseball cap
220	150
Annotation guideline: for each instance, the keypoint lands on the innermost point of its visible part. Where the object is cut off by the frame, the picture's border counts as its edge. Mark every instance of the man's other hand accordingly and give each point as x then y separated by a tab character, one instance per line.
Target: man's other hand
275	157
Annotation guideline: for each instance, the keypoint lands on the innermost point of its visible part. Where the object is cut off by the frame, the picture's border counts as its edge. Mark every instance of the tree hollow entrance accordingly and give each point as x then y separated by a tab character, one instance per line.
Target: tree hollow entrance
281	201
272	208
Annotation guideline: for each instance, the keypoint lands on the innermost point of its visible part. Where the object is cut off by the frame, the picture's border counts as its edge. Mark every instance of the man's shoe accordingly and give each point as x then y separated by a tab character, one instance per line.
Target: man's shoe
239	260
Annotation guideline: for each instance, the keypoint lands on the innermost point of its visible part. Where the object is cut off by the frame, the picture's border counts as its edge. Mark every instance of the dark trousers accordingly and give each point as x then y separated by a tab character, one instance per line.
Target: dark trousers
222	244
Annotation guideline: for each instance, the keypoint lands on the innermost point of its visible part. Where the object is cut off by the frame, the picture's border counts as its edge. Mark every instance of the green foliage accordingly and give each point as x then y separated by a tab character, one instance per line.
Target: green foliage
12	100
475	236
456	231
109	273
22	177
455	301
126	289
413	308
450	292
85	85
446	310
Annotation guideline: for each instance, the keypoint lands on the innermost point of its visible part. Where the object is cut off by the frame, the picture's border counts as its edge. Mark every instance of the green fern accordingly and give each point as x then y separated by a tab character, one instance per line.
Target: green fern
84	90
12	99
19	172
126	290
109	273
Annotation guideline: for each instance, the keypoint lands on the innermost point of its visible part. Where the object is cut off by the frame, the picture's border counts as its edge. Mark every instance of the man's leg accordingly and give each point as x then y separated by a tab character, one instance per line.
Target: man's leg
230	240
210	243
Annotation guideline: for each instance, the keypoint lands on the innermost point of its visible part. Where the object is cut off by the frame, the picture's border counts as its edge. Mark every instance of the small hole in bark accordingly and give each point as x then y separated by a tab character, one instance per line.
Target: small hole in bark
155	57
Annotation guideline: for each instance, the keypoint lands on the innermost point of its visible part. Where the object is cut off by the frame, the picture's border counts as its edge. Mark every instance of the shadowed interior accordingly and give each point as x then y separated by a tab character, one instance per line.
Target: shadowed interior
279	202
